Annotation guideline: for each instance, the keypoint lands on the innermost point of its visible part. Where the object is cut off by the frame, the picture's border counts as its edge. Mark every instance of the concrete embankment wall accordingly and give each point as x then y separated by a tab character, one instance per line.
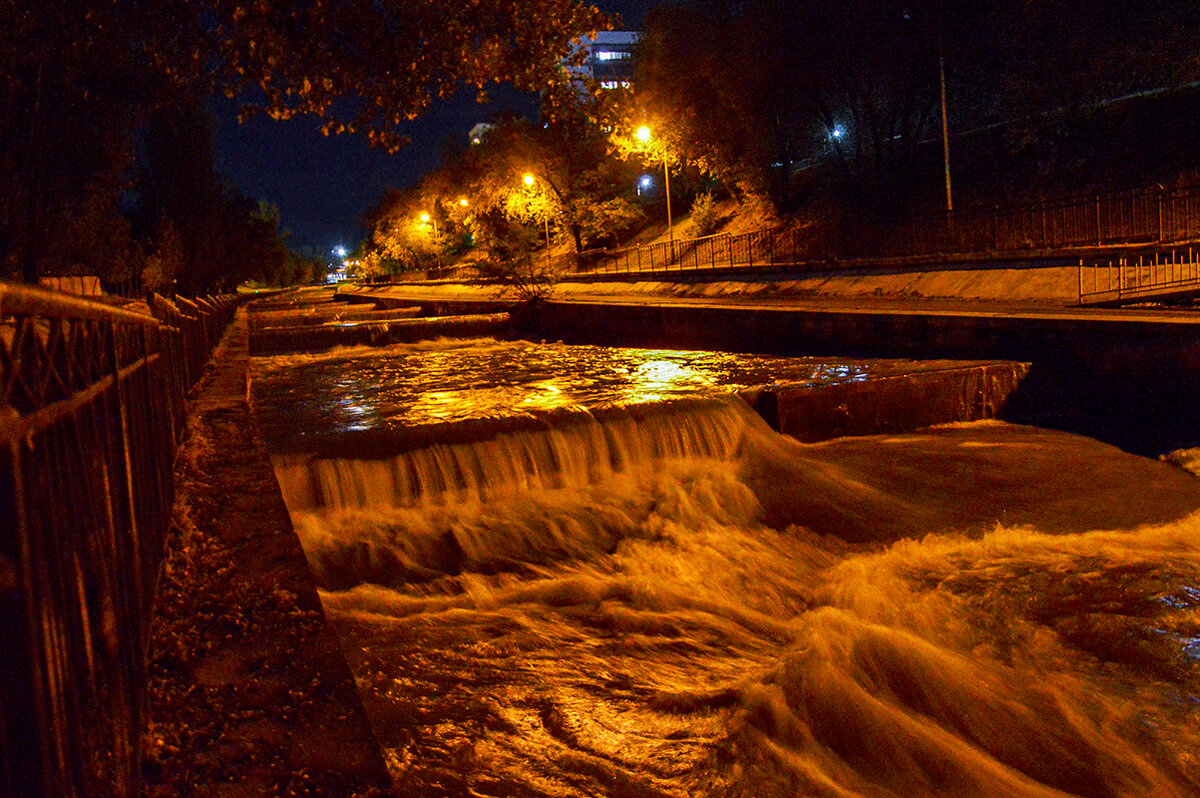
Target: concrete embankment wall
892	403
1131	382
366	332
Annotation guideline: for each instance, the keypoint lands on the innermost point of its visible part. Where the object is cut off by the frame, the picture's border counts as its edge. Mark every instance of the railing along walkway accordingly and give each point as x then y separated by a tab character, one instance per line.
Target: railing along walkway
92	404
1065	226
1141	276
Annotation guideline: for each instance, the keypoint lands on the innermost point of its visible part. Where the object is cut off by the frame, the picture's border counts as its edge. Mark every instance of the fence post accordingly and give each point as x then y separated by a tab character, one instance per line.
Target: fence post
1158	197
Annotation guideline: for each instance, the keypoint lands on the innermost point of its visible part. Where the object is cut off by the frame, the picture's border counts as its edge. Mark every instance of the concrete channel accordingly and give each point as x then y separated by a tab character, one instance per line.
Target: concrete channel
1128	377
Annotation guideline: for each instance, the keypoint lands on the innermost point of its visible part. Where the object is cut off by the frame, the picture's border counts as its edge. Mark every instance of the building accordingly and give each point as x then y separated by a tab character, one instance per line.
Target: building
609	58
479	131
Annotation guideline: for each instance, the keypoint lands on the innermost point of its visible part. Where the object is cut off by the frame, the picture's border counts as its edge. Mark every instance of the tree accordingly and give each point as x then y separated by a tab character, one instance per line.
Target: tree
164	263
754	89
78	79
500	200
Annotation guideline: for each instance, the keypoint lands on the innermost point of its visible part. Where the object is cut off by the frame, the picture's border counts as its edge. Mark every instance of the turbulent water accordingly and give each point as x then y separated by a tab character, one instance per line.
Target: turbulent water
593	586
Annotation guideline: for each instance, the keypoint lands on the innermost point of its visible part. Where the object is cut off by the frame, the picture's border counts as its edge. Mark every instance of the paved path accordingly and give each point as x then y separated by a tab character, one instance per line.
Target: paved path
250	694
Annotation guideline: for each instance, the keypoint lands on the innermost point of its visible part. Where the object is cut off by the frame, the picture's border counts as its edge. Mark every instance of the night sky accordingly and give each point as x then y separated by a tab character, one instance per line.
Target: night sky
324	185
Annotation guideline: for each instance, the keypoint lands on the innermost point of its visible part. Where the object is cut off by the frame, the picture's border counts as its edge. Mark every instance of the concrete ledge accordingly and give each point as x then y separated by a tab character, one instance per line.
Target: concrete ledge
250	693
894	403
372	333
1127	378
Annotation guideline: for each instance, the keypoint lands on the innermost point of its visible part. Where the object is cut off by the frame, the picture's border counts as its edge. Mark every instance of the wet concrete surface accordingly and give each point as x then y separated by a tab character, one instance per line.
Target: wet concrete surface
250	694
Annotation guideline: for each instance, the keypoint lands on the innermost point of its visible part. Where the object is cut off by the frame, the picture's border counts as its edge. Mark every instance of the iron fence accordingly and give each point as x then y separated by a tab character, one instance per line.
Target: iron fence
92	402
1147	274
1141	216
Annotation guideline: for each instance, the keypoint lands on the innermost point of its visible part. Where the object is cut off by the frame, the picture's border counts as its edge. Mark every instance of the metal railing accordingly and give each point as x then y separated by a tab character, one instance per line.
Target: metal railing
1147	274
761	249
92	403
1141	216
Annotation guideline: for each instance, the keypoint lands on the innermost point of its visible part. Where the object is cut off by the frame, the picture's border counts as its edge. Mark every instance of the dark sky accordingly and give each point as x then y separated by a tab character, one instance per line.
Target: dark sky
324	185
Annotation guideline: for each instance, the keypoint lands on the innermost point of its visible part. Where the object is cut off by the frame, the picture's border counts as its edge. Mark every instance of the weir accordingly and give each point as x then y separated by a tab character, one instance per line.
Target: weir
571	449
373	329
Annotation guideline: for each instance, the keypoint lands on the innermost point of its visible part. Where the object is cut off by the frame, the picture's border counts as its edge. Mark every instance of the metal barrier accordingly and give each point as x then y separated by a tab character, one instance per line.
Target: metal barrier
1145	275
1139	216
92	403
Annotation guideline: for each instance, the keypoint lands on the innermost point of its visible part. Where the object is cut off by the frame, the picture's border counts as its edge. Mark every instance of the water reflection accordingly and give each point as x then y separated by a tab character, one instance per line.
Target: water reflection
667	377
407	386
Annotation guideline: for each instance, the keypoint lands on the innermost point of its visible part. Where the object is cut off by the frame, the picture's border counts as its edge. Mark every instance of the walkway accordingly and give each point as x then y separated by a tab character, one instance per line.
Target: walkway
249	692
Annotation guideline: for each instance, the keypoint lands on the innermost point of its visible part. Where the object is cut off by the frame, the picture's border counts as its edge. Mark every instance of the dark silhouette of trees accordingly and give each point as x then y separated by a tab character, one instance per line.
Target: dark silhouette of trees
755	92
79	79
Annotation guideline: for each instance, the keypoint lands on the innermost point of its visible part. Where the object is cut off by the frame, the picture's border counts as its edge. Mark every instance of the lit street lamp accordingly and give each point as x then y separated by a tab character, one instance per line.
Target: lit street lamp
643	134
426	218
528	179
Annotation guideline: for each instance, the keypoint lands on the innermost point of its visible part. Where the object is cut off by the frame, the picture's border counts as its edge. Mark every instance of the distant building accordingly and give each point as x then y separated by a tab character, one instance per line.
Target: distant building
609	58
475	136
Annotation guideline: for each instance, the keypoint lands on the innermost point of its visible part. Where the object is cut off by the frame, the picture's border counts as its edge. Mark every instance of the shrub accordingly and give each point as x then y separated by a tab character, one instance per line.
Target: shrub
704	214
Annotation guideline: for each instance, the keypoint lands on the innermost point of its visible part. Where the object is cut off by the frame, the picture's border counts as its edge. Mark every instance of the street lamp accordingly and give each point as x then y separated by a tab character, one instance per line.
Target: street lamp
426	218
643	134
528	178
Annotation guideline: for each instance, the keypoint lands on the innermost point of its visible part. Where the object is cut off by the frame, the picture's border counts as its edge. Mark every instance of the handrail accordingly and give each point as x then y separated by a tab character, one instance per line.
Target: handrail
1096	220
92	403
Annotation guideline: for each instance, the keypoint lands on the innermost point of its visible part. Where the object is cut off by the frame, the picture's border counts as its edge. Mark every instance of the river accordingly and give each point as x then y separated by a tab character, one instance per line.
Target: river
576	571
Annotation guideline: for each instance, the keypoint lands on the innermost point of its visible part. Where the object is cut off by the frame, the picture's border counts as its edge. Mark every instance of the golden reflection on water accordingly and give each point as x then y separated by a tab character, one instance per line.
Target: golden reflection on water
411	386
663	378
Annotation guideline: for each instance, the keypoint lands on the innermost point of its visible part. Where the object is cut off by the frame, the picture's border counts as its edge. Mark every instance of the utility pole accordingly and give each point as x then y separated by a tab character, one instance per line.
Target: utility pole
945	133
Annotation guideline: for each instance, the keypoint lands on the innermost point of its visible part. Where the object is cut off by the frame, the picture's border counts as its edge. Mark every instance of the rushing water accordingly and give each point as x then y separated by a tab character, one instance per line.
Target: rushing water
592	581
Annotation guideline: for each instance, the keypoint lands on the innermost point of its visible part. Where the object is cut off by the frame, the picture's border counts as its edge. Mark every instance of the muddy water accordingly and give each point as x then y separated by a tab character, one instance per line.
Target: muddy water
592	585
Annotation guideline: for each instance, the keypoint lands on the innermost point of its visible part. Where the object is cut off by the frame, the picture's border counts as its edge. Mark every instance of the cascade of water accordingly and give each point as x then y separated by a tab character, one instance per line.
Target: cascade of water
672	600
571	450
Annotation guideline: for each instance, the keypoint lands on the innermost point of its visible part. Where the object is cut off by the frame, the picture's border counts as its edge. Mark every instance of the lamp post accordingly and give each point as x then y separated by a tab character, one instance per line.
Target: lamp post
643	134
945	136
426	218
545	218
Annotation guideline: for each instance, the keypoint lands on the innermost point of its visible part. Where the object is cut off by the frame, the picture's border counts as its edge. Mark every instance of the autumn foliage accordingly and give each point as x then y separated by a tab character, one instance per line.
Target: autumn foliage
80	81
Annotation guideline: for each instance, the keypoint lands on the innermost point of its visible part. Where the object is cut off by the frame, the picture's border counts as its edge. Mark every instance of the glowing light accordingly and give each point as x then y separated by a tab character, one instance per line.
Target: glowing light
666	377
340	251
646	181
424	217
463	202
528	180
643	133
837	132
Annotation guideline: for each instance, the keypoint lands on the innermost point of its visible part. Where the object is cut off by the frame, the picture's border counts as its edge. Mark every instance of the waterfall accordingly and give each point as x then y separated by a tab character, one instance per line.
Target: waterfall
570	449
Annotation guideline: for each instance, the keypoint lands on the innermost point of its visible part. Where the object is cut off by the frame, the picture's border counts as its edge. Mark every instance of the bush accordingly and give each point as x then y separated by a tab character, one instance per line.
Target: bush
704	215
